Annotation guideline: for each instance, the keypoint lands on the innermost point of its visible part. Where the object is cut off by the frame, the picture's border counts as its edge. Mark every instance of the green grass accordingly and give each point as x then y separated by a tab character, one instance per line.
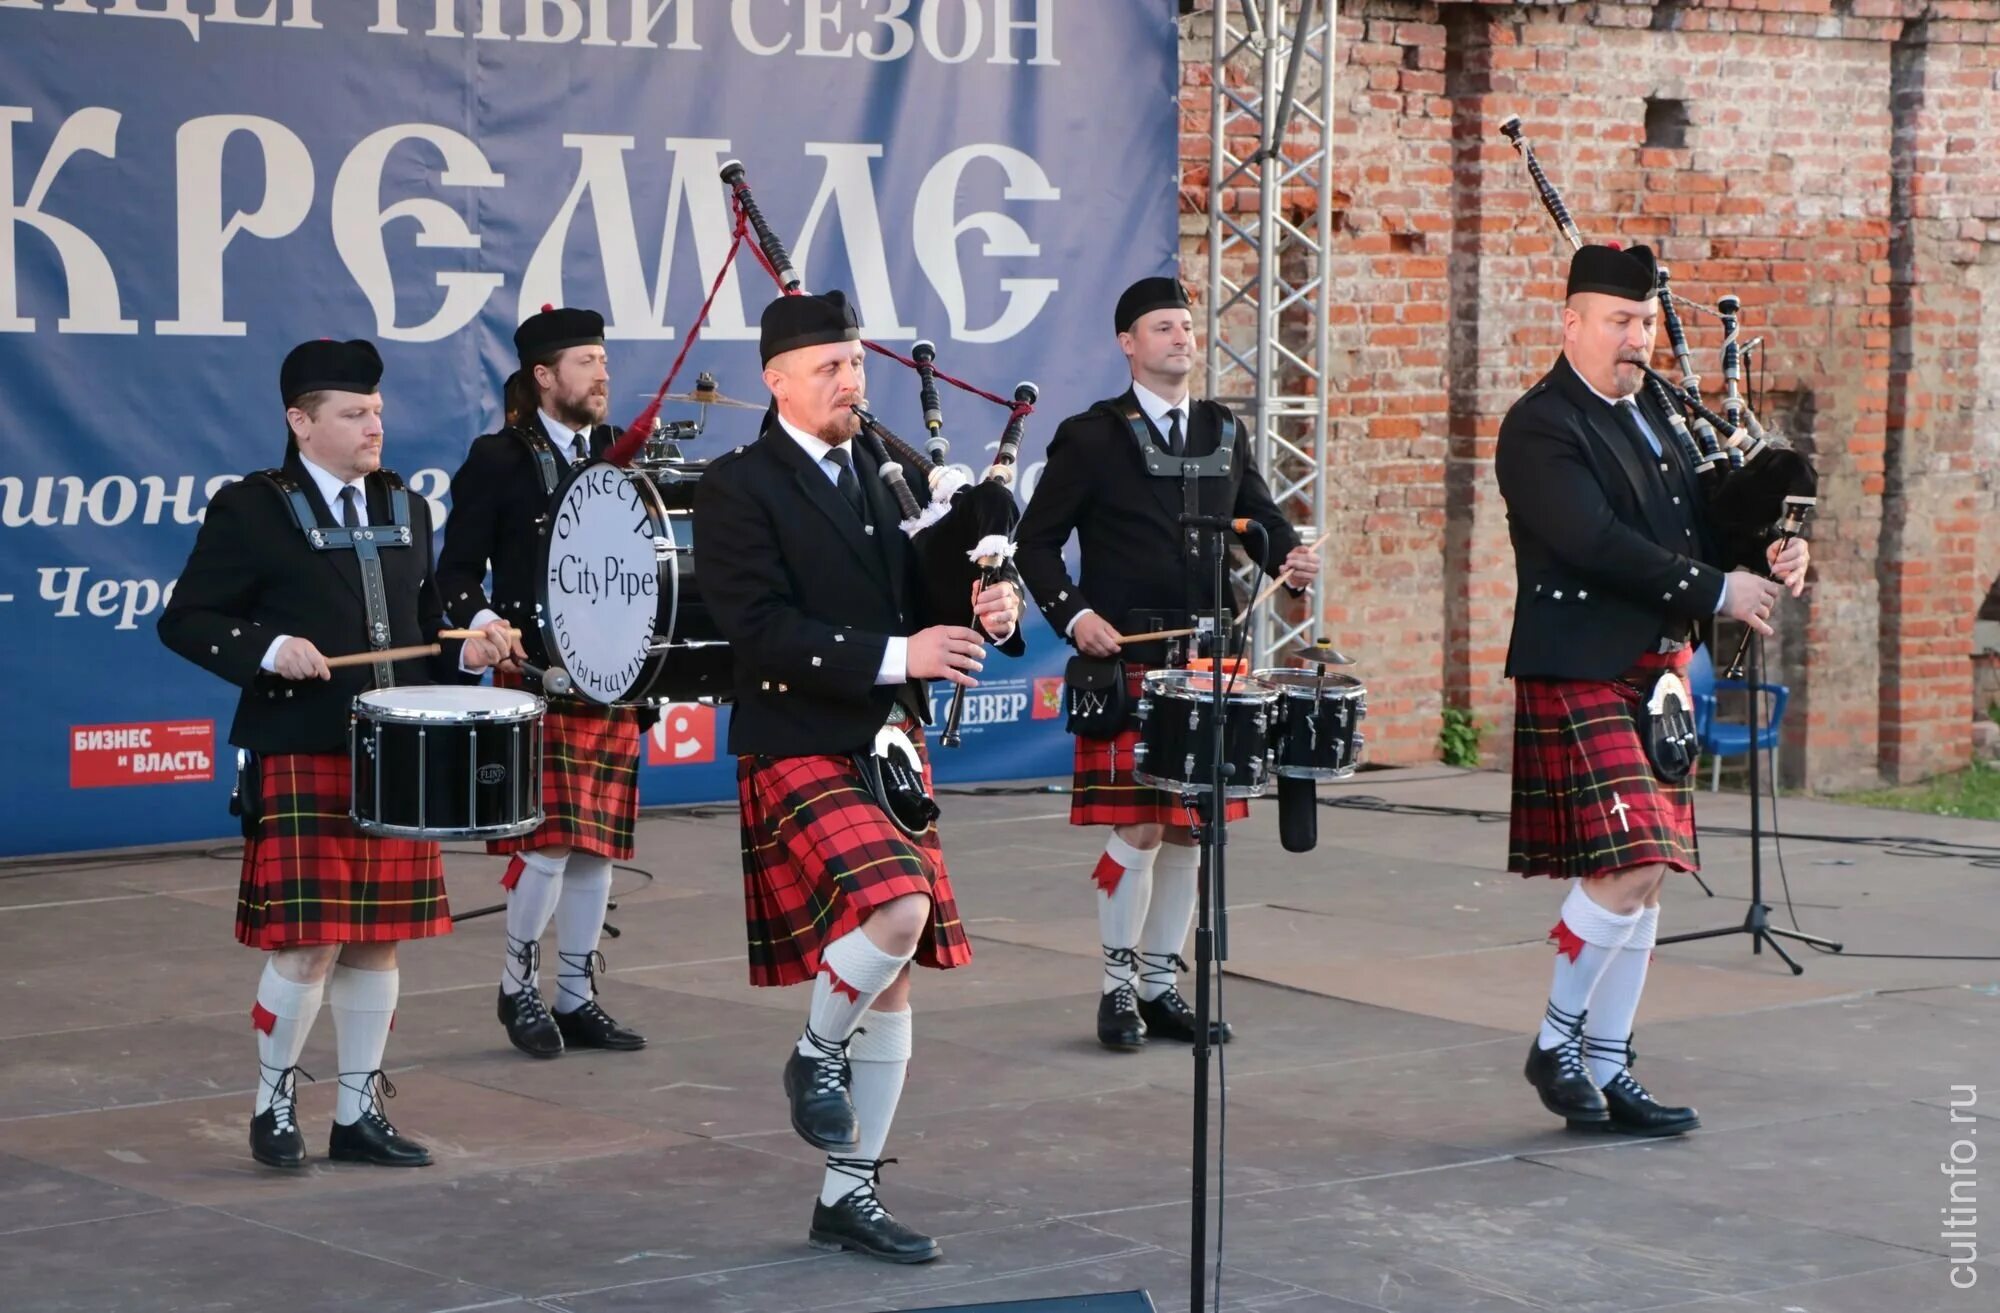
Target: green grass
1973	793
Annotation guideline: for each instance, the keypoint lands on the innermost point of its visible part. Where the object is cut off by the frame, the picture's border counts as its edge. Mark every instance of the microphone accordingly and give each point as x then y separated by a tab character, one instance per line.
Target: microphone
1298	814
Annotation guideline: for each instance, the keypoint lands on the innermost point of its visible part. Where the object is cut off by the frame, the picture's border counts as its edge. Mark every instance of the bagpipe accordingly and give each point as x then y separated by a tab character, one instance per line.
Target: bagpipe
1757	487
962	528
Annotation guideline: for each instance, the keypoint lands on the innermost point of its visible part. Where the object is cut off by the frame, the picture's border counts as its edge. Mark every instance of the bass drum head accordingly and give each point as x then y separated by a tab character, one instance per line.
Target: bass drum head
603	600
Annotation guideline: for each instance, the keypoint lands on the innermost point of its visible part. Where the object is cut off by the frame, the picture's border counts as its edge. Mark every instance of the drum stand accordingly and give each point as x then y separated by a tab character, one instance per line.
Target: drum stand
1757	921
1211	934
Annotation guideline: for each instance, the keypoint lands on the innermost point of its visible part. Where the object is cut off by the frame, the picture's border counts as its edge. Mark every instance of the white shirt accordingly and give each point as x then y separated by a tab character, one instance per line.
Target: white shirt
330	488
1647	429
895	665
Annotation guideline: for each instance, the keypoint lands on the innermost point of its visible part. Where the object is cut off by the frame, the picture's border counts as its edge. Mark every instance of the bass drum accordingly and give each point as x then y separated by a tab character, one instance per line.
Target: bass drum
620	607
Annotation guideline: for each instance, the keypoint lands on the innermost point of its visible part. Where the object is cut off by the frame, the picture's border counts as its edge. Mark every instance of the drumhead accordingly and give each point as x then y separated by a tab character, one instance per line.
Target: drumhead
602	581
447	702
1293	681
1199	686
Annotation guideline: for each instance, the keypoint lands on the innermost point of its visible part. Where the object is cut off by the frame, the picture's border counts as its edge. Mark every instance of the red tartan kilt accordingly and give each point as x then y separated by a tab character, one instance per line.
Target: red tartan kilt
310	877
818	853
590	779
1586	801
1103	791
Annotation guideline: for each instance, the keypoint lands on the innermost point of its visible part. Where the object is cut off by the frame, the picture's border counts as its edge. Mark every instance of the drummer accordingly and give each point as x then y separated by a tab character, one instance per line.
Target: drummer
590	753
1139	571
272	589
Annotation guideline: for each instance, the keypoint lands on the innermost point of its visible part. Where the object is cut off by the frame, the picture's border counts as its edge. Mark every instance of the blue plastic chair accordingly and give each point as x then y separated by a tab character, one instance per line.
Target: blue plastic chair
1720	738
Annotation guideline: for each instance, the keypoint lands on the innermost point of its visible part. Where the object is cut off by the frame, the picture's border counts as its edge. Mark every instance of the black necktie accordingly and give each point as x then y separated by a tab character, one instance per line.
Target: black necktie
1175	441
849	485
578	452
1628	419
350	507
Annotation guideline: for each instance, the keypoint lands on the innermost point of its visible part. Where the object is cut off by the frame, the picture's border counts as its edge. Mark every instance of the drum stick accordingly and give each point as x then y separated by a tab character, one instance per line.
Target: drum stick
475	633
386	654
1156	634
1319	544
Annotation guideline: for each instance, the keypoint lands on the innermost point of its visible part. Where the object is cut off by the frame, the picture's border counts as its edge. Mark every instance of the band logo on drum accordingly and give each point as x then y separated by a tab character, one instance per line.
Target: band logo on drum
602	583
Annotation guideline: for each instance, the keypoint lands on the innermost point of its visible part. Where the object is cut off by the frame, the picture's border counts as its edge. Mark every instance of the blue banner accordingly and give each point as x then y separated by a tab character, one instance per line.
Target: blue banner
190	187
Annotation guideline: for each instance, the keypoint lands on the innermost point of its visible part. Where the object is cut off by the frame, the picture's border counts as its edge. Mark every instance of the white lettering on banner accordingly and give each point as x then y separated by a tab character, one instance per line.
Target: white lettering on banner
359	219
288	190
93	290
228	11
182	499
819	16
432	485
902	38
645	18
63	584
746	36
1042	23
937	235
112	499
444	18
972	23
172	10
489	21
568	16
636	312
997	708
848	185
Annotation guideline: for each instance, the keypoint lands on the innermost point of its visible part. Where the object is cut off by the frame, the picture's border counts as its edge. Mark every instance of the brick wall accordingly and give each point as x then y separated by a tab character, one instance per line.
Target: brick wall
1839	171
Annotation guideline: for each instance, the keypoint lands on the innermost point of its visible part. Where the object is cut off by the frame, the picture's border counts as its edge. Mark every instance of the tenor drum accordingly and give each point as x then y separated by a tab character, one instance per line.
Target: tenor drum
620	608
446	761
1177	733
1316	724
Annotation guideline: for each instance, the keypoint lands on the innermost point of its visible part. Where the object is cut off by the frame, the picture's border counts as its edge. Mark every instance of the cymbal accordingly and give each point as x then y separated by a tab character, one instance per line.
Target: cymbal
700	398
1319	652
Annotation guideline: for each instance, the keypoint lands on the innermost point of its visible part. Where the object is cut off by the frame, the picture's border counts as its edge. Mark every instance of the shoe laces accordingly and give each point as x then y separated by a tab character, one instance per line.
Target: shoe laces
373	1087
1126	958
1162	969
862	1197
1623	1052
831	1071
527	958
284	1093
586	965
1123	999
1569	1053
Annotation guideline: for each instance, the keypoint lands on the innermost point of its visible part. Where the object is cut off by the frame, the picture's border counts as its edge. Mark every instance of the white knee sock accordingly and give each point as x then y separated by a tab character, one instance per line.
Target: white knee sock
586	889
1176	877
530	904
852	973
364	1005
1595	934
880	1055
284	1017
1616	1002
1124	879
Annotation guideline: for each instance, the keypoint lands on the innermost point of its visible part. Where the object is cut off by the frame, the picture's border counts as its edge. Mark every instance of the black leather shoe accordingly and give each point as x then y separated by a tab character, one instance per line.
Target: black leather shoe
530	1028
859	1221
275	1139
1118	1023
590	1027
822	1112
1170	1017
1560	1076
1633	1110
371	1139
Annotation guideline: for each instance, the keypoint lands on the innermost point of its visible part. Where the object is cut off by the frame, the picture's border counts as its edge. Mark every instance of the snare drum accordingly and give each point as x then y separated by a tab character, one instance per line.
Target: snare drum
446	761
619	605
1316	725
1177	733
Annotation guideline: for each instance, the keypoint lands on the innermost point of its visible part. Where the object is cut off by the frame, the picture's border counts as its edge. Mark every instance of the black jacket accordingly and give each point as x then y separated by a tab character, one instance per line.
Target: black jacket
496	499
253	576
807	597
1135	558
1612	553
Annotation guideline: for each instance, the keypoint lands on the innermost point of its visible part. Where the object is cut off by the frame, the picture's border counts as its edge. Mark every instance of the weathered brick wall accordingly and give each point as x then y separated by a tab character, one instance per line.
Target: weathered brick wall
1839	169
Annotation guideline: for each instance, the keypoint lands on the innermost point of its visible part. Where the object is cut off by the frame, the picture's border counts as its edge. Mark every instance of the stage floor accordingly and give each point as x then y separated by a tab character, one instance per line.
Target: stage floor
1383	1150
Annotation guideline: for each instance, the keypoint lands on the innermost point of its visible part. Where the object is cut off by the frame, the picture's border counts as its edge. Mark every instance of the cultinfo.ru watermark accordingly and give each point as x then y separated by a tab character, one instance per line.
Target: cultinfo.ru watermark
1960	1228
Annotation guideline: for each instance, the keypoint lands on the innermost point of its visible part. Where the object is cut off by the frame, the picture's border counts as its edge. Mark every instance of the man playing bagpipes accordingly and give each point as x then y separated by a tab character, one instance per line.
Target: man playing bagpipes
295	572
1618	559
590	753
1136	562
820	594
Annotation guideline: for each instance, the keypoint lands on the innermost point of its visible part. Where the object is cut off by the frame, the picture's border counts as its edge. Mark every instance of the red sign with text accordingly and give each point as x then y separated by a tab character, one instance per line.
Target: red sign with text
685	735
151	752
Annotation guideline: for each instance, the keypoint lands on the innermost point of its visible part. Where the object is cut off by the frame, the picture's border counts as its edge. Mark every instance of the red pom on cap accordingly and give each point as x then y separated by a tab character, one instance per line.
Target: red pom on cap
546	307
1616	246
